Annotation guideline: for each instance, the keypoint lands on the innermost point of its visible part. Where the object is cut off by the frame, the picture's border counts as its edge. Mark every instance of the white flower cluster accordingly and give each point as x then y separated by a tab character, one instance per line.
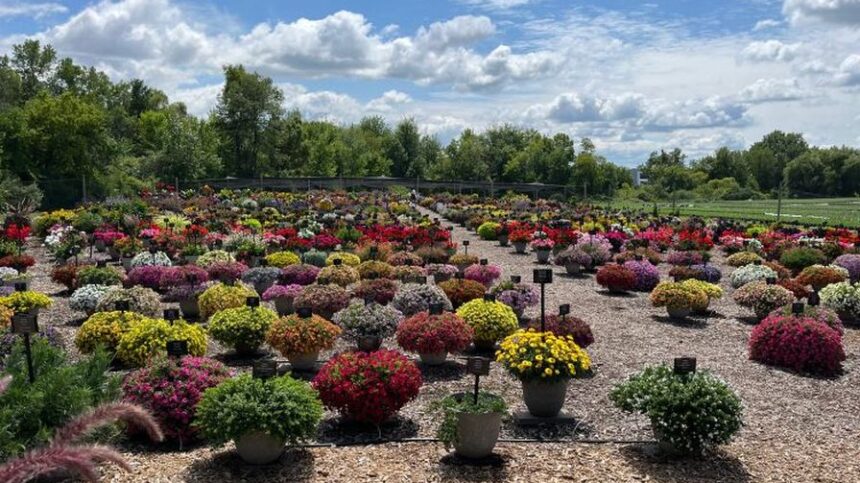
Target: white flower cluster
145	259
86	298
843	297
57	234
750	273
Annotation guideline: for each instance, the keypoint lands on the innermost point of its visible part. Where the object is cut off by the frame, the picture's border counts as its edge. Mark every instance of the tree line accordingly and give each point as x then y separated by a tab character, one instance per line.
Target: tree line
63	121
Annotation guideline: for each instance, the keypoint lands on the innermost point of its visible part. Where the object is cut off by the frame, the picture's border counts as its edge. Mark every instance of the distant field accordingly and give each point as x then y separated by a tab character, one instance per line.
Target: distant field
816	211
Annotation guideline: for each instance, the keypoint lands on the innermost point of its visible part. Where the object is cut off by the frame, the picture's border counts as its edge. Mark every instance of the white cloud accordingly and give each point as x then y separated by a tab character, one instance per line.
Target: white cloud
35	10
388	101
772	90
766	24
496	5
849	71
831	11
770	51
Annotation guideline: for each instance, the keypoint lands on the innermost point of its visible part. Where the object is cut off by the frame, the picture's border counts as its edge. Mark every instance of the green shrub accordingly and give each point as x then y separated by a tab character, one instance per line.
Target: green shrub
280	407
29	413
691	411
148	339
243	328
105	329
98	276
489	230
220	297
801	257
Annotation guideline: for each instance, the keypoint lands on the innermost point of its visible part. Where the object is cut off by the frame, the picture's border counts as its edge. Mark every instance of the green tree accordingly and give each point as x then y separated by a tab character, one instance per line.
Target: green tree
35	65
246	117
406	158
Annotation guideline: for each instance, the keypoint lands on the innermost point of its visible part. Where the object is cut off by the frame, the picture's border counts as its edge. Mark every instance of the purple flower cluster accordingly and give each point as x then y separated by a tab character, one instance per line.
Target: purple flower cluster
485	274
223	271
520	297
171	391
708	273
148	276
850	262
186	292
299	274
684	258
647	275
290	291
184	275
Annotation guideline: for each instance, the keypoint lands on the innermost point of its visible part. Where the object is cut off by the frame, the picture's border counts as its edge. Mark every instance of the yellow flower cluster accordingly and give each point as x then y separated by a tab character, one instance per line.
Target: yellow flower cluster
283	259
531	355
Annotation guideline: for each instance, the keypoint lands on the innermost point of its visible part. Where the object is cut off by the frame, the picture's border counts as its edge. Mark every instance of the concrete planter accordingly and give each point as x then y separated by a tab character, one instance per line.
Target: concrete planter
477	434
303	362
258	448
544	399
433	359
678	312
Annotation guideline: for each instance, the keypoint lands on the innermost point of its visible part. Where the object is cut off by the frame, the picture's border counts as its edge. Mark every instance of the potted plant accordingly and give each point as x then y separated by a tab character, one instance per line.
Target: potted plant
574	260
462	261
820	276
471	427
147	339
544	364
564	326
283	297
751	273
520	239
301	337
713	291
242	328
797	342
762	297
300	274
187	297
412	298
616	278
542	246
459	291
441	272
491	321
367	323
26	302
647	275
434	336
261	278
518	296
338	274
389	381
221	296
688	412
844	298
380	290
323	300
141	300
678	299
86	298
486	274
171	388
191	252
260	416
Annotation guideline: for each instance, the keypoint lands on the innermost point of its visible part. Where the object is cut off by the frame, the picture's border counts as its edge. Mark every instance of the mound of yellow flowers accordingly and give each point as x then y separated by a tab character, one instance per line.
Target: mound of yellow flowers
531	355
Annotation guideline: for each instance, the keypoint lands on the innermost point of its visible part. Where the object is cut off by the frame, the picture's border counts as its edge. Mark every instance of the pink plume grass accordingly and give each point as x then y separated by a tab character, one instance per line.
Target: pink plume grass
78	459
106	414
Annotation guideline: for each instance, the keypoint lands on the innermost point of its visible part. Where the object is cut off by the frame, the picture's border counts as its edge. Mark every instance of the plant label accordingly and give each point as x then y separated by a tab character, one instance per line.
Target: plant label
542	275
177	348
685	365
478	366
24	324
563	309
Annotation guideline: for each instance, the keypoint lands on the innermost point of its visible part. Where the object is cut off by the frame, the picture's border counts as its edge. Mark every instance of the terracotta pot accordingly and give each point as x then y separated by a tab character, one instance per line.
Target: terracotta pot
477	434
544	399
432	359
258	448
303	362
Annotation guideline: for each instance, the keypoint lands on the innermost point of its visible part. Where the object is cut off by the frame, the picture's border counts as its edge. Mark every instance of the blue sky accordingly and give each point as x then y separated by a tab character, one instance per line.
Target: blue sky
633	76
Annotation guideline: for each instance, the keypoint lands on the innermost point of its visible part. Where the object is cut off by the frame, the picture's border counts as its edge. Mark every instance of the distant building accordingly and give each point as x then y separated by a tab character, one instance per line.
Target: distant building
638	180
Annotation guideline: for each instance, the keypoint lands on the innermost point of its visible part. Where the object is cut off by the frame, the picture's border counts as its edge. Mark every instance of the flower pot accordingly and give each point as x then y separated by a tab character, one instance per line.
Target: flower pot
433	359
616	289
244	350
520	247
113	253
441	277
190	259
11	282
543	255
477	434
485	345
100	246
544	399
703	308
303	362
503	240
190	309
573	269
284	305
258	448
678	312
261	287
369	344
126	263
846	317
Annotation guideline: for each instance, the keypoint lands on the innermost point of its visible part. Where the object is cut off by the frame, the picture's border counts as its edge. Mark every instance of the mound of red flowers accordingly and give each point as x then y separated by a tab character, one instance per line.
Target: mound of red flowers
616	278
800	343
368	387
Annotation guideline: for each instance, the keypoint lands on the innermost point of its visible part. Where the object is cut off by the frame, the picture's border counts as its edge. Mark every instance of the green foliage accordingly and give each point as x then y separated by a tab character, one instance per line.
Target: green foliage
91	275
281	407
452	406
243	328
802	257
148	339
29	413
692	412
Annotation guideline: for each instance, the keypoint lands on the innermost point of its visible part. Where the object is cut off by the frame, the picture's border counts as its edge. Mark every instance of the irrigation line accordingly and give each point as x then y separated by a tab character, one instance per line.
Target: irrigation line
501	440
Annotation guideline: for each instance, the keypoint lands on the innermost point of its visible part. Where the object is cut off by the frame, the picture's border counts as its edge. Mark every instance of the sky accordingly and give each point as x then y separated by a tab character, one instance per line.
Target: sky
633	76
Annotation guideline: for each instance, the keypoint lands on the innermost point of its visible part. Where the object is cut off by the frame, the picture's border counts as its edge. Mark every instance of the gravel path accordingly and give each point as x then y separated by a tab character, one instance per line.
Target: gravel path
798	428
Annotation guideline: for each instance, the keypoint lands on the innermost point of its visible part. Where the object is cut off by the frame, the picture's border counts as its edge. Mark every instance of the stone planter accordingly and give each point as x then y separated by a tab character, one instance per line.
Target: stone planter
543	399
520	247
678	312
543	255
190	309
284	305
303	362
431	359
503	240
573	269
369	344
477	434
258	448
